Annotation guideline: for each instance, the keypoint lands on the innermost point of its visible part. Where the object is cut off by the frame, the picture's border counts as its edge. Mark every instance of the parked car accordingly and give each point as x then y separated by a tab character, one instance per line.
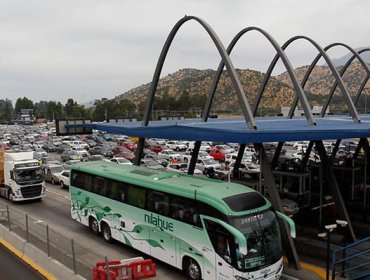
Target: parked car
68	163
101	150
129	145
49	147
96	157
169	154
176	146
153	164
80	151
182	168
69	155
52	173
121	160
64	179
203	164
39	153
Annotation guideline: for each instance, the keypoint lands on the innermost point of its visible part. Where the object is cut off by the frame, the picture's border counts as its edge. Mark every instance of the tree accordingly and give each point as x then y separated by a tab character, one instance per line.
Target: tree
23	103
6	109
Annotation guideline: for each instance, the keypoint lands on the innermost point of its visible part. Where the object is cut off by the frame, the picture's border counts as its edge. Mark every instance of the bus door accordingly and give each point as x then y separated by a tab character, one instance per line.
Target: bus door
223	243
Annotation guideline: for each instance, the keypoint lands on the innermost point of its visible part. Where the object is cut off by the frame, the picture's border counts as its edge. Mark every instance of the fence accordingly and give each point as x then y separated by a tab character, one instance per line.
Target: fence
65	250
353	260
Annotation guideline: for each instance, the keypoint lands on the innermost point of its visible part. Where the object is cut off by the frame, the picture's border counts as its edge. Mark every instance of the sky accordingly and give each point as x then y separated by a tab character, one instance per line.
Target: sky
91	49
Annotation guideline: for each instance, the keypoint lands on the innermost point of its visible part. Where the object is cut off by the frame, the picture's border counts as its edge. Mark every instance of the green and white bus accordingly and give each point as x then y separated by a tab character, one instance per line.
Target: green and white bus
209	228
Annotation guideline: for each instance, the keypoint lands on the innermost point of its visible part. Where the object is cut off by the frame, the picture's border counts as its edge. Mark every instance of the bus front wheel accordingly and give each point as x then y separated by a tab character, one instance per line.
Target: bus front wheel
192	269
94	226
107	235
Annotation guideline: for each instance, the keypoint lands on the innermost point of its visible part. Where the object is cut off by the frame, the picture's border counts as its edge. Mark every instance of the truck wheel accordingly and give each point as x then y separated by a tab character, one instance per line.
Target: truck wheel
192	269
10	195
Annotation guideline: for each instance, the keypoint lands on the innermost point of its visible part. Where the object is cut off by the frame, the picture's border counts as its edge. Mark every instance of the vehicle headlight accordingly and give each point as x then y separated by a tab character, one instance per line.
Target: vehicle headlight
240	278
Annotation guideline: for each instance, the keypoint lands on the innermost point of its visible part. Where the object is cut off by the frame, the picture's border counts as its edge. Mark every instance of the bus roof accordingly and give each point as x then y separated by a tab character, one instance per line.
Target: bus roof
212	192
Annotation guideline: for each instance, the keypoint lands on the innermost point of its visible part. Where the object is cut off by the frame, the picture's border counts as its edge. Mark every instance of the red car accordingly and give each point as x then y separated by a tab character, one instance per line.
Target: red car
119	149
127	155
217	154
129	145
156	148
4	146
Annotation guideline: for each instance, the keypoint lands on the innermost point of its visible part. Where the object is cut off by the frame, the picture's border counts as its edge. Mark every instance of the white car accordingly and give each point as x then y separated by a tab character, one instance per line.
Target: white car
176	146
247	169
205	163
120	160
81	151
203	147
64	179
169	154
186	157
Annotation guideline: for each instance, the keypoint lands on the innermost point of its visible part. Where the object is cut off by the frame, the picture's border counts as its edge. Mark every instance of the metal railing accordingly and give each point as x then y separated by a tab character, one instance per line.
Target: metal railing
352	261
57	246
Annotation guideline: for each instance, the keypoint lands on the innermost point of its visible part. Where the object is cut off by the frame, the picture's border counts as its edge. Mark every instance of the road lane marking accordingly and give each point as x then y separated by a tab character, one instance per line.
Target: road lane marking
56	193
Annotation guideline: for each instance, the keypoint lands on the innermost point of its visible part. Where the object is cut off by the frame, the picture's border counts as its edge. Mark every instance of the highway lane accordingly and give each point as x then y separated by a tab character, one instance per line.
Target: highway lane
13	268
54	210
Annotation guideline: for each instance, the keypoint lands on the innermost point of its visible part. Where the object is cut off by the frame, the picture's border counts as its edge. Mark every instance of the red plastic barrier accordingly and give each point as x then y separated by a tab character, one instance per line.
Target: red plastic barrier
143	269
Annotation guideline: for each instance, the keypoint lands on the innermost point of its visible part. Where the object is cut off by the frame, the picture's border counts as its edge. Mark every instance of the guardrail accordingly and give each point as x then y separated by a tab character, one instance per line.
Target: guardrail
353	260
57	246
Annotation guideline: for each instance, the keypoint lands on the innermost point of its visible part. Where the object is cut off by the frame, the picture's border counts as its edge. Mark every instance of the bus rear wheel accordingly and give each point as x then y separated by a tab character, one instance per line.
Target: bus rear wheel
94	226
107	235
192	269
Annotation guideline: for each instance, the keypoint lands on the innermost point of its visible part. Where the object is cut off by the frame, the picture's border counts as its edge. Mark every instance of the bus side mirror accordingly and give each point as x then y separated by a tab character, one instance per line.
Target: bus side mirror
289	221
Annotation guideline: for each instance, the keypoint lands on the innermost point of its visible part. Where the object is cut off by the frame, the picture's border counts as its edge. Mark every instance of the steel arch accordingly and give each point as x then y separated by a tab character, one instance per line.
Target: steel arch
342	71
337	77
299	91
348	63
225	58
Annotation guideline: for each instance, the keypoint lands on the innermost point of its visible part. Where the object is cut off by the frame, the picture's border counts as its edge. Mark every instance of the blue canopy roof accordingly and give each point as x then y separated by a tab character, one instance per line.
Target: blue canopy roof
269	129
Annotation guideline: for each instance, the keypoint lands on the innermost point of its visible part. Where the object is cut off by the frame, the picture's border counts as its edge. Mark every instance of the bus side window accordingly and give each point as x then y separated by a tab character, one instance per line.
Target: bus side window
158	203
184	210
136	196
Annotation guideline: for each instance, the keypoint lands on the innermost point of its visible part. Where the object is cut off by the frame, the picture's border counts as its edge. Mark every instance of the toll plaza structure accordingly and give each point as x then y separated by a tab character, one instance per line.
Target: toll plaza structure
259	130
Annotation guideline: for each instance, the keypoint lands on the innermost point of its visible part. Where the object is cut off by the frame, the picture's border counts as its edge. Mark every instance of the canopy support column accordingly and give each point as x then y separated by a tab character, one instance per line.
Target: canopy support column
332	182
269	180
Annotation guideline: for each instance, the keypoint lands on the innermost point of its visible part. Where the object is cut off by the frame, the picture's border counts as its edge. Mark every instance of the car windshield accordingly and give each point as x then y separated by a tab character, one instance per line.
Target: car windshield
23	176
262	234
122	160
56	169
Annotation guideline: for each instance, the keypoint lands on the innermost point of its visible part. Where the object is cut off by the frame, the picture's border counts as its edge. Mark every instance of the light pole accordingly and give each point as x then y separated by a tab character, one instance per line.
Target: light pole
326	234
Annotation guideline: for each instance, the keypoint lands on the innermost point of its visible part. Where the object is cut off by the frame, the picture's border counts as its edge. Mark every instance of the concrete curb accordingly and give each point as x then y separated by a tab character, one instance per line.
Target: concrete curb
37	259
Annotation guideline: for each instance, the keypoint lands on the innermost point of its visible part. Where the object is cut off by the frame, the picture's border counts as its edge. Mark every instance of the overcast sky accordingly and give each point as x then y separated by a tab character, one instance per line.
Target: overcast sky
90	49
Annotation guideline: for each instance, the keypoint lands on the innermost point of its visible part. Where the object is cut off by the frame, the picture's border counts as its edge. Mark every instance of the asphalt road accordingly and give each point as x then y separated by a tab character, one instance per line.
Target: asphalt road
13	268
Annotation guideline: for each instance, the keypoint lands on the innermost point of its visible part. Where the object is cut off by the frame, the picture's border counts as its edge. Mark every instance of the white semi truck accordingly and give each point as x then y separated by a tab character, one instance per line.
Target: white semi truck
21	176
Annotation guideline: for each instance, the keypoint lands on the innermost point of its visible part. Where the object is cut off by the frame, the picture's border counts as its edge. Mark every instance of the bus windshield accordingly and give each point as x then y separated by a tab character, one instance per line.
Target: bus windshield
261	231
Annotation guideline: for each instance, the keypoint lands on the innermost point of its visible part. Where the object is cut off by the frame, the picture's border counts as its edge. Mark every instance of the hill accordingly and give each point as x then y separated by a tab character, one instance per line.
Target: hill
196	84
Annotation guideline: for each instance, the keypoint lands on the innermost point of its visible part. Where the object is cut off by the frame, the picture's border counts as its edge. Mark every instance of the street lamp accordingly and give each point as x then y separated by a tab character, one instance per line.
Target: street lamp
343	225
326	234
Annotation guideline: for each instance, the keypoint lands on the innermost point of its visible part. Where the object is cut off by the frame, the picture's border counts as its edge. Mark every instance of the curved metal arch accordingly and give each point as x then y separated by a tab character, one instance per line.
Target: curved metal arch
342	71
225	58
357	55
337	77
300	94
